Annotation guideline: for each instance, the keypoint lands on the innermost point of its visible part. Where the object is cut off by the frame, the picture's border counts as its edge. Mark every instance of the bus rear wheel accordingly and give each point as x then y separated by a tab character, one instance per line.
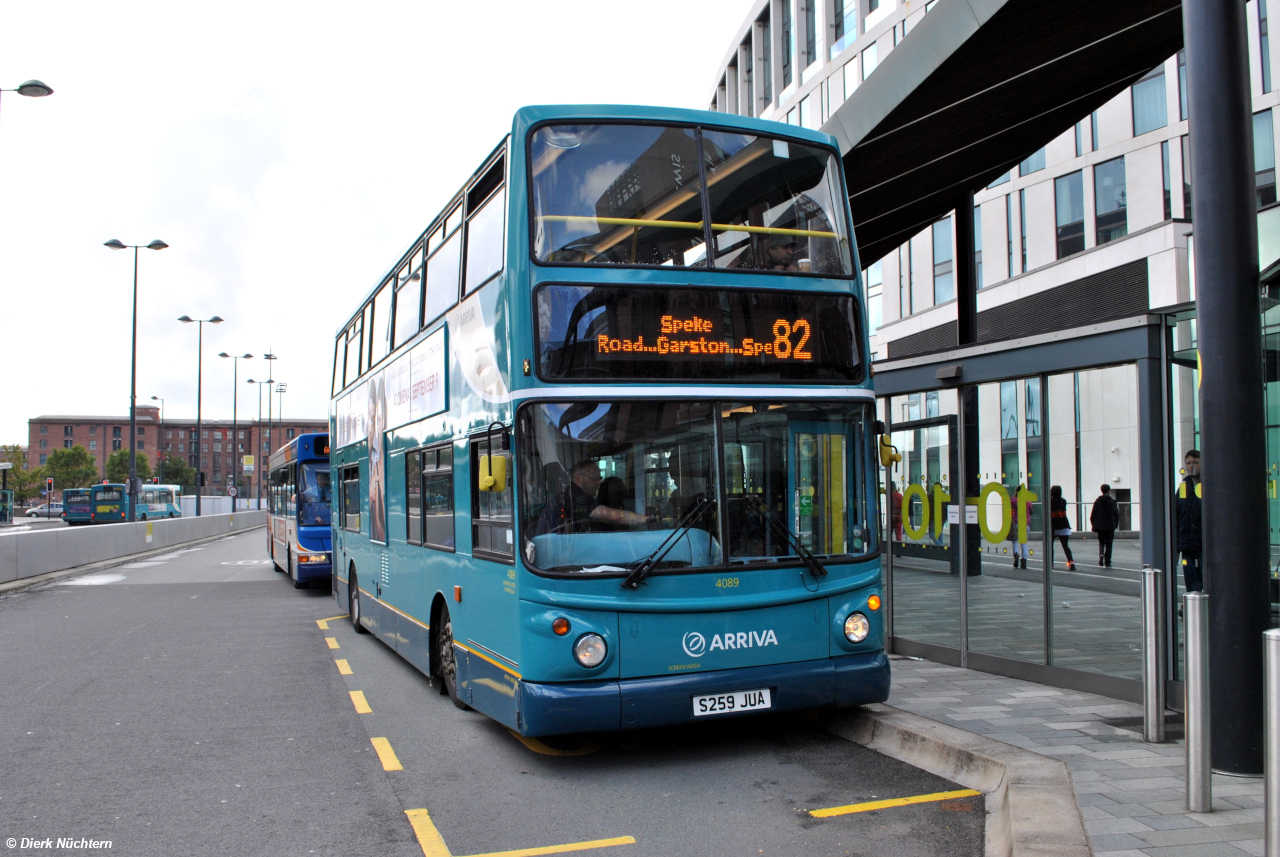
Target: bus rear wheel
353	602
447	663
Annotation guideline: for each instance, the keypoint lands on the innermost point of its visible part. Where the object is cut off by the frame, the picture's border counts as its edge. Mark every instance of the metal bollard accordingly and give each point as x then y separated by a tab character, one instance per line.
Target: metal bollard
1199	770
1152	655
1271	740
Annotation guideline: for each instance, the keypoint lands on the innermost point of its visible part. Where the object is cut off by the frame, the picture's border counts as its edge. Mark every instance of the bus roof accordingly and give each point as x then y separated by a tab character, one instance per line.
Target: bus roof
313	446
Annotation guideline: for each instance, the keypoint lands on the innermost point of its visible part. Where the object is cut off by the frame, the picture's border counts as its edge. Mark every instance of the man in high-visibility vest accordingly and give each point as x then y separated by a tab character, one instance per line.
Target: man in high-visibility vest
1190	543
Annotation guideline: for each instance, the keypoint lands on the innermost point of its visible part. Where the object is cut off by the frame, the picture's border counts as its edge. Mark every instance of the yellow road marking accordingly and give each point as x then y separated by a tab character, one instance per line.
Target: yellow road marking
587	748
361	704
331	618
562	849
428	837
344	668
885	804
386	755
332	641
432	843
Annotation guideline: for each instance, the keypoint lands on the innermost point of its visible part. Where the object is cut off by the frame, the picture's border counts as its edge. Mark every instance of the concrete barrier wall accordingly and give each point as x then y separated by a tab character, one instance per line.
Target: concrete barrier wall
27	554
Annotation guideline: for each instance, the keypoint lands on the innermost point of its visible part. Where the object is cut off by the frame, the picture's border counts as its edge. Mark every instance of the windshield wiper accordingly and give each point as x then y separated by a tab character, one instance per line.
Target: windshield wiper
811	562
649	563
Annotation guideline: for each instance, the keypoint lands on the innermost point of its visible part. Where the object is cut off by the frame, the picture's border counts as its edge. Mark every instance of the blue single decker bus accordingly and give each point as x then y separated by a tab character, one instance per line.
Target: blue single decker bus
604	434
299	500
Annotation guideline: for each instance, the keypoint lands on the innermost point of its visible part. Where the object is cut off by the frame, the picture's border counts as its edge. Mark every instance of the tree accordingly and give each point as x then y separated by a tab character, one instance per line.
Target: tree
71	468
178	472
25	483
118	466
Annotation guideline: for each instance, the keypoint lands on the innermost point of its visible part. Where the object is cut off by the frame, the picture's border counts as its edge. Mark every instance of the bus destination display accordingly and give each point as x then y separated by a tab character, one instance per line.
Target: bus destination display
614	332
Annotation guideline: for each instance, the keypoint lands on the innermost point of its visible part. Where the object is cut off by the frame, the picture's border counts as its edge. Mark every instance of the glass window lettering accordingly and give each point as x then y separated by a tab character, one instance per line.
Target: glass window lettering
603	484
616	332
633	195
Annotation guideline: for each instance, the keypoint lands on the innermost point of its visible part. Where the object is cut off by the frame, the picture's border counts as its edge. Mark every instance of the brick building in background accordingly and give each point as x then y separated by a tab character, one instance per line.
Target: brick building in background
103	435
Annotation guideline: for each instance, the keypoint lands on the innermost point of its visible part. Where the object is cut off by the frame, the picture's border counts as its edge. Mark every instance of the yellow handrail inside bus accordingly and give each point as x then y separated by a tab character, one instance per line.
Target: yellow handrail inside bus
683	224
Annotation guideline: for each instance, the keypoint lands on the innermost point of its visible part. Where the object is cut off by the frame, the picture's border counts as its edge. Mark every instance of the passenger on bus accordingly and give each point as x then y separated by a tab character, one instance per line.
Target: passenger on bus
578	510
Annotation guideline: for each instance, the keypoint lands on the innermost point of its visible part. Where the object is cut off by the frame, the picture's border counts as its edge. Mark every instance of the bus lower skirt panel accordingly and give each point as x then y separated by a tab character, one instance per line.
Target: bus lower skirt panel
606	706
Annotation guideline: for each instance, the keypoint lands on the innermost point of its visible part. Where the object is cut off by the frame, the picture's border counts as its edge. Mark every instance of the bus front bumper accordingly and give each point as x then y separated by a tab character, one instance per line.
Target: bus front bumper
308	571
640	703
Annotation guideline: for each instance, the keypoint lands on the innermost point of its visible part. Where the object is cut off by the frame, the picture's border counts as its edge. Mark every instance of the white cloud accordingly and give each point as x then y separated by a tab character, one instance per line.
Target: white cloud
286	152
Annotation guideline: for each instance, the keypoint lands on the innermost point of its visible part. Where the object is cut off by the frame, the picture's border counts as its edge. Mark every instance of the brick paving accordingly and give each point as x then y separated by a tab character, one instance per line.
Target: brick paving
1131	794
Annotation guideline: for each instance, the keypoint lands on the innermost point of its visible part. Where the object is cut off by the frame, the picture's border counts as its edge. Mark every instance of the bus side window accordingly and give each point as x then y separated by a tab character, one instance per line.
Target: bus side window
413	496
492	528
351	498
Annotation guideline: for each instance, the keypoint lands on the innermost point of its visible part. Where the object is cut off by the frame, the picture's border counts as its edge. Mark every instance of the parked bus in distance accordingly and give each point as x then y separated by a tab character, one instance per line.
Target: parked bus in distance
104	503
159	501
298	498
76	506
604	434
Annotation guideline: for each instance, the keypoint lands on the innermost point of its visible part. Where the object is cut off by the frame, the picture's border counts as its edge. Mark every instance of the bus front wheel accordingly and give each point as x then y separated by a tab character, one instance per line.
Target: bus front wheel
353	602
448	664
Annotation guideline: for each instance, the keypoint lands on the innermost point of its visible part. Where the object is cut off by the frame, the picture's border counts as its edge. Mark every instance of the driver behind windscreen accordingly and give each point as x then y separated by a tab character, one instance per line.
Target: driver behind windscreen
315	499
578	510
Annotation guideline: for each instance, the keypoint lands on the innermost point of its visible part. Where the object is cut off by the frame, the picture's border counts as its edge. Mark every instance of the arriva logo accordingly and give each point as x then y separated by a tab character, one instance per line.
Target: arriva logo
695	645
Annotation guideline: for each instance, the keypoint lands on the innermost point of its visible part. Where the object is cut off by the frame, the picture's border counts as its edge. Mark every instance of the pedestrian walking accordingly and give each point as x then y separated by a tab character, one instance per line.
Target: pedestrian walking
1190	542
1061	526
895	510
1104	518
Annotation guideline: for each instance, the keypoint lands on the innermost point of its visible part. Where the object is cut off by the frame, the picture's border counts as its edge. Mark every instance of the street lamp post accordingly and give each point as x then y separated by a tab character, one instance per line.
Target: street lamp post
235	390
262	464
199	391
271	357
281	389
160	450
115	244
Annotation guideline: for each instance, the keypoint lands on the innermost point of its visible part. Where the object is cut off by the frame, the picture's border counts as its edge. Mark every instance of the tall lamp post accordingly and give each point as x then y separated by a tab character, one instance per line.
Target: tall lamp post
115	244
262	463
235	390
32	89
281	389
199	390
271	358
160	440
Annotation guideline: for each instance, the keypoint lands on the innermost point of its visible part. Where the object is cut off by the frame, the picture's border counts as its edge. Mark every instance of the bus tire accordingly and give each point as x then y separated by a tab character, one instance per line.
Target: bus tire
443	640
144	516
353	601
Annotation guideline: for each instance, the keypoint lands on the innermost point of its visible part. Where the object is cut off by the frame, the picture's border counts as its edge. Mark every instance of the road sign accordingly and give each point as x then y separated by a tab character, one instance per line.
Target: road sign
231	490
247	464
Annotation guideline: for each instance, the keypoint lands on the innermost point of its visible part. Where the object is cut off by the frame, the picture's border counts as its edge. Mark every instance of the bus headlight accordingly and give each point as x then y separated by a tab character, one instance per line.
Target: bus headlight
590	650
856	628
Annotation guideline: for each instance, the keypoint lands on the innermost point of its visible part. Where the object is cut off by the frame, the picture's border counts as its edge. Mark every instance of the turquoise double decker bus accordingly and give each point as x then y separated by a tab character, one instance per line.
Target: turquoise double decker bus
604	435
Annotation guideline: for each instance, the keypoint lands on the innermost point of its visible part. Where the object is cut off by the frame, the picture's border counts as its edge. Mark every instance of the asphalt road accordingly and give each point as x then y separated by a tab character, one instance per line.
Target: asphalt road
192	704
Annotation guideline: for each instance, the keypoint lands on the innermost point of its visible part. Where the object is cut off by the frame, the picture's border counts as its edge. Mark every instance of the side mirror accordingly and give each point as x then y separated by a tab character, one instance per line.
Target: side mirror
493	473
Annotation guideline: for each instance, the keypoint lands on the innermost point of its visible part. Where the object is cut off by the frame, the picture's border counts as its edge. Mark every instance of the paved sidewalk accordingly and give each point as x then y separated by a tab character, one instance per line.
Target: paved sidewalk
1131	794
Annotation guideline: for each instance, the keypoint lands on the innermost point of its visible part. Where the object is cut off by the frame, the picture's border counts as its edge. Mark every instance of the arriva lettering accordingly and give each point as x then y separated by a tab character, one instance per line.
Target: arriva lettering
744	640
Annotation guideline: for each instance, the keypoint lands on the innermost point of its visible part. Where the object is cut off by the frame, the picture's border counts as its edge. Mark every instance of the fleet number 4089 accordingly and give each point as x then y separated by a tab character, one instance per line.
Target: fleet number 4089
726	583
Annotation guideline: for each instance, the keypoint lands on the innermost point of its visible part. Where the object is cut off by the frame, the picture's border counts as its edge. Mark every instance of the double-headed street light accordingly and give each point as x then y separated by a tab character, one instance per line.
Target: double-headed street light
235	390
160	440
262	462
199	390
270	357
116	244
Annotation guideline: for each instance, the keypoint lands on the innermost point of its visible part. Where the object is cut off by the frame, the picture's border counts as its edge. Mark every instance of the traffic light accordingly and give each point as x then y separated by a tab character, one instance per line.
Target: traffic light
155	480
48	484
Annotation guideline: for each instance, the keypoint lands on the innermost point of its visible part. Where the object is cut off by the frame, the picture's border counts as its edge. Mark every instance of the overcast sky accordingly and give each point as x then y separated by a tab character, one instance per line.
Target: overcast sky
287	152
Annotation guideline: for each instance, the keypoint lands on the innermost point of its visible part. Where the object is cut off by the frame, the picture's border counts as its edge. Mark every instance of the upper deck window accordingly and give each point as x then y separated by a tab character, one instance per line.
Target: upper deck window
633	195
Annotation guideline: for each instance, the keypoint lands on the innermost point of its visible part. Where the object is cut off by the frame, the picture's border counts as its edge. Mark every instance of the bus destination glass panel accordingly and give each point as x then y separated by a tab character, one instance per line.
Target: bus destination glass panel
639	333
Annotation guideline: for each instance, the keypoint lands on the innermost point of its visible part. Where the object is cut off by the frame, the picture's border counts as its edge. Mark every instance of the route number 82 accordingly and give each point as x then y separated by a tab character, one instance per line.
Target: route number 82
782	332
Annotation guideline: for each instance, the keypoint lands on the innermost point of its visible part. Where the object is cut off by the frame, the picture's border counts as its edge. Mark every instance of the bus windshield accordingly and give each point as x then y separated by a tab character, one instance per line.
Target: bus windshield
313	508
606	483
633	195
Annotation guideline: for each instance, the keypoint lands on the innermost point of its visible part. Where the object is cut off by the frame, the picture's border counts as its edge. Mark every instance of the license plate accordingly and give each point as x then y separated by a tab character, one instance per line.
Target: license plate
726	703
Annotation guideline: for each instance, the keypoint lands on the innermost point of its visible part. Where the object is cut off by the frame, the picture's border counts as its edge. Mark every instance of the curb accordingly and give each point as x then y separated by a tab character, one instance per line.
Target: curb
1031	805
28	582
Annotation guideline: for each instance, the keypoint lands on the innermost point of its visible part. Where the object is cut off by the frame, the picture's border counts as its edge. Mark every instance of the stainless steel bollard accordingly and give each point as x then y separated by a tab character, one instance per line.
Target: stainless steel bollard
1271	740
1152	655
1199	770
